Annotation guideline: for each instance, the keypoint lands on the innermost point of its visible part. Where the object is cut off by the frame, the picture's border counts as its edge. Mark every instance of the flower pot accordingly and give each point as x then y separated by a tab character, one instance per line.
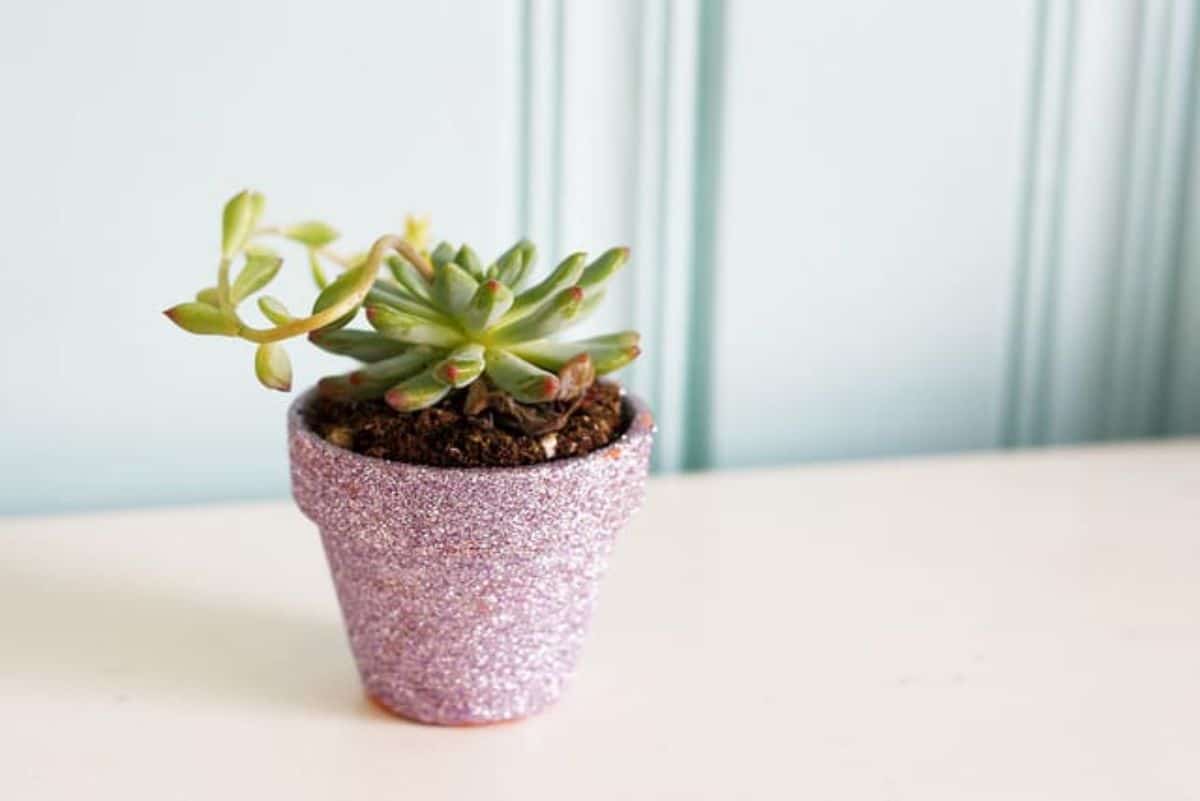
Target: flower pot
467	591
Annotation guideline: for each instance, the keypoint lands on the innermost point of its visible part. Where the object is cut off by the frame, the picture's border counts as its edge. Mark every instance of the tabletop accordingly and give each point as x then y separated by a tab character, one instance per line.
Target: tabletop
1019	625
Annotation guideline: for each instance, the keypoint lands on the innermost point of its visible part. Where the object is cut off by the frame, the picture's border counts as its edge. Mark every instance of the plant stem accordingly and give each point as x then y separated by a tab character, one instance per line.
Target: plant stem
338	310
224	302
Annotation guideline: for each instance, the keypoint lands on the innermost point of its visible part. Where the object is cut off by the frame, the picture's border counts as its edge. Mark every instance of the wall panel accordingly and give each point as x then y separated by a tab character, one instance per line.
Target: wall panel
858	229
871	172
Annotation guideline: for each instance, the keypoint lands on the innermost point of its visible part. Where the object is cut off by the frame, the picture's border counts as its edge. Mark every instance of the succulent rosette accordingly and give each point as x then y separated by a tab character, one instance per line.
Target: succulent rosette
441	320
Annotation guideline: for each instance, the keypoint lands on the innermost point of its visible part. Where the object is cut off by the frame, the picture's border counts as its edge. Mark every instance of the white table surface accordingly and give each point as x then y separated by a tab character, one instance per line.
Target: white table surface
988	626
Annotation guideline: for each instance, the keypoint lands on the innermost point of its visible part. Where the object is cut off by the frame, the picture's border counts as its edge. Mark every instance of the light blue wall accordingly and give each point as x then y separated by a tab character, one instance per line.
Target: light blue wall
126	125
859	229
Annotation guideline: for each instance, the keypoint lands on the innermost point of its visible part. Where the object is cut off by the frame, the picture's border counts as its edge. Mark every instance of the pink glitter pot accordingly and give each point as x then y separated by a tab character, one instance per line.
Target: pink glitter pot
467	592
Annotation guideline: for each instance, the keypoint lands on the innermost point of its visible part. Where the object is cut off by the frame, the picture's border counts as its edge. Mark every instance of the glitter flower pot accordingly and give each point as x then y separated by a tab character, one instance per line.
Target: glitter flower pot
467	592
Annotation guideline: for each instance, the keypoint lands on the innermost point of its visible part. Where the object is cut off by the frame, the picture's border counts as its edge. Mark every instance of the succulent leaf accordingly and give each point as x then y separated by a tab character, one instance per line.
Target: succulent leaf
528	253
274	310
564	275
341	387
513	254
442	255
514	265
403	365
469	261
608	353
390	293
604	267
462	366
208	295
549	318
374	379
238	219
405	327
487	306
313	233
365	346
453	287
524	381
419	392
336	292
273	367
200	318
410	278
262	265
624	339
385	374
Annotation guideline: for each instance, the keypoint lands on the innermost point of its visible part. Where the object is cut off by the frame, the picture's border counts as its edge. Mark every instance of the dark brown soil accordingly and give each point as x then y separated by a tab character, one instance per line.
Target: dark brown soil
444	436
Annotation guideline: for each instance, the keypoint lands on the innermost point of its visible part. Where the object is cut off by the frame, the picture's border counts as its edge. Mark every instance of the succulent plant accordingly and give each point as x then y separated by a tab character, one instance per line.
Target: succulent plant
442	319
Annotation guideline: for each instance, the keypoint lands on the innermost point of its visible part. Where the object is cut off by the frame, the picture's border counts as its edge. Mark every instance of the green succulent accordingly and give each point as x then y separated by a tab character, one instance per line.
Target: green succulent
442	320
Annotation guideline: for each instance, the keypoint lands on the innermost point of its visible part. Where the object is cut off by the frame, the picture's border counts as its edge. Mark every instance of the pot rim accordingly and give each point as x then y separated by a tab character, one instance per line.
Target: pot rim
634	409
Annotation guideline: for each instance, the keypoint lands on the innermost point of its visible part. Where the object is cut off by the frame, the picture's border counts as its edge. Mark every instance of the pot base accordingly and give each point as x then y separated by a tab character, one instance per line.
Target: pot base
466	724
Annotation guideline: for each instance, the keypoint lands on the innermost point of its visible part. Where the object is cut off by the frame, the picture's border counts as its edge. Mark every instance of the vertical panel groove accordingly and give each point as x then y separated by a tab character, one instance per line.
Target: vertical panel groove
540	148
650	204
1021	279
557	167
709	102
1027	415
1045	403
525	135
1169	392
661	254
1117	278
1132	417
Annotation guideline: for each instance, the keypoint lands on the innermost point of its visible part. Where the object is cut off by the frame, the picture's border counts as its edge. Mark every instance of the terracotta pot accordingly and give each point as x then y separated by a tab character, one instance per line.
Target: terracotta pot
467	591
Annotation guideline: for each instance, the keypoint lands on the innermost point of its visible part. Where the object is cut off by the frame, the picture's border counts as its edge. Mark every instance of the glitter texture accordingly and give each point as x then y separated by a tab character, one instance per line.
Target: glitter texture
467	592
